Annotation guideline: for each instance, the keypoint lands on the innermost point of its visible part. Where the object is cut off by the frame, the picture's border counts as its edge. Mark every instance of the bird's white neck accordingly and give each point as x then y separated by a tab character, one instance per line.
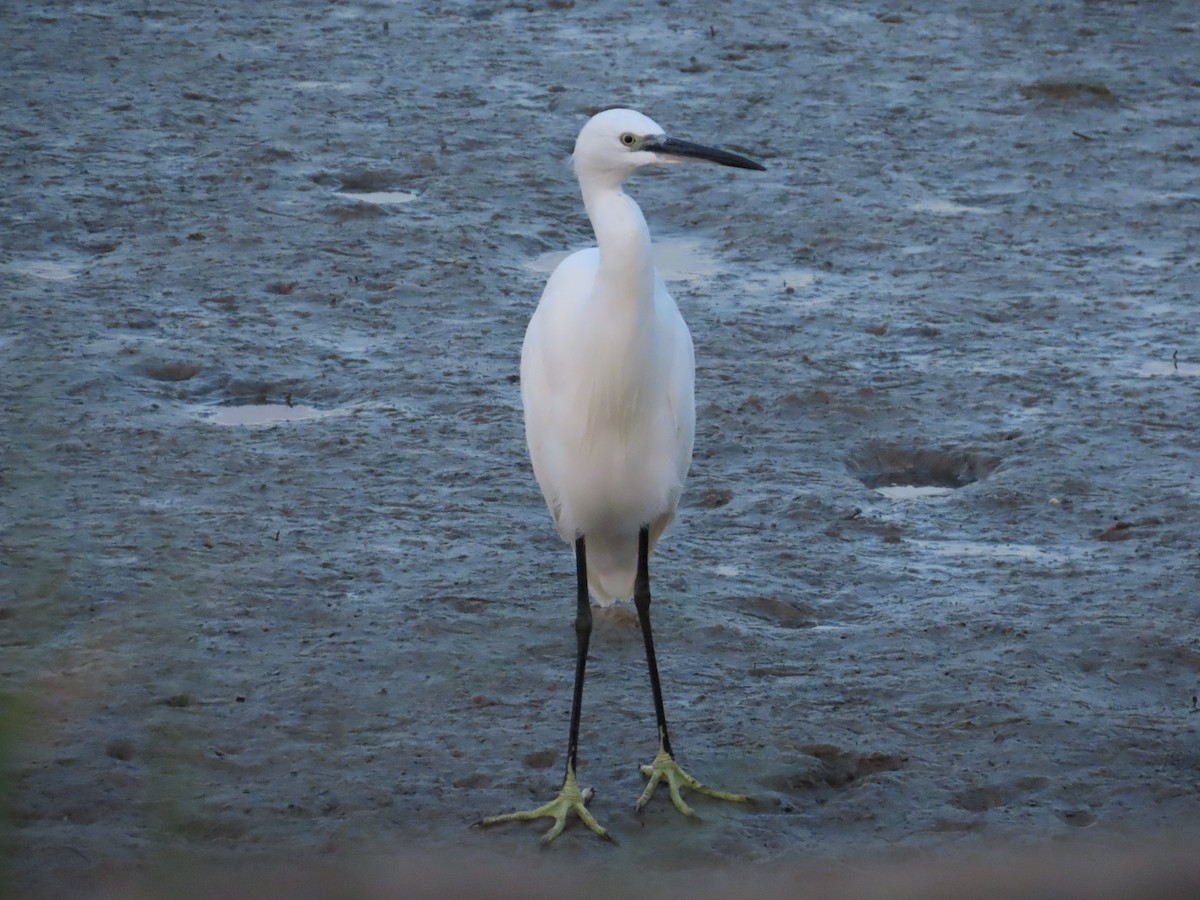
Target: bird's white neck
621	322
626	266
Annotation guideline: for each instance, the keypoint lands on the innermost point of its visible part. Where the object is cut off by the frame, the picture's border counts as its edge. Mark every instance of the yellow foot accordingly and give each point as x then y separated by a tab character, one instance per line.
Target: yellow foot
569	799
664	768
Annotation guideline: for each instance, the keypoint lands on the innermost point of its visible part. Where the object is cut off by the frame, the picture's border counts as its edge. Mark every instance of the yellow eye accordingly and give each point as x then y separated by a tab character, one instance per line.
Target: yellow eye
628	139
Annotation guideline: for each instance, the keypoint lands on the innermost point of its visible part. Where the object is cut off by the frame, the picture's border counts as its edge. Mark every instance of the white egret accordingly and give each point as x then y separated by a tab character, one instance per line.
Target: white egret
607	374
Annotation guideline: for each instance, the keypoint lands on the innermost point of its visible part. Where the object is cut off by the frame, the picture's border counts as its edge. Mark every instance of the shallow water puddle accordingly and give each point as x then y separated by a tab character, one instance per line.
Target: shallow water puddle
913	491
380	198
946	208
1158	367
682	260
264	414
345	87
47	269
1026	552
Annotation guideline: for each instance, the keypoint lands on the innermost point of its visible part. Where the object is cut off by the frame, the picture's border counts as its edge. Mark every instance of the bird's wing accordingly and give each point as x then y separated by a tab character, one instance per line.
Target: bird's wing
546	365
681	388
681	397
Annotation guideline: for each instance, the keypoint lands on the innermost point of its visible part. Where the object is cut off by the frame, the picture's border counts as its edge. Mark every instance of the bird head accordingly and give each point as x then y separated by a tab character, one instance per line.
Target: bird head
616	142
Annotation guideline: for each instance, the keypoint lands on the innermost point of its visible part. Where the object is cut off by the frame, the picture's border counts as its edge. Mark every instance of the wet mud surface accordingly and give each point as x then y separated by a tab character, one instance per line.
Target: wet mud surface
278	580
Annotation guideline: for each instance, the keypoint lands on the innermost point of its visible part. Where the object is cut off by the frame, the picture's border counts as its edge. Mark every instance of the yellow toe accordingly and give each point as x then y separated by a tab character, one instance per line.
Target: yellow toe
664	768
569	800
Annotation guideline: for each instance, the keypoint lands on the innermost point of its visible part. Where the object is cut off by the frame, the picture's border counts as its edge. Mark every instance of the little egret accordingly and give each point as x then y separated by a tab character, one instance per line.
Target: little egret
607	374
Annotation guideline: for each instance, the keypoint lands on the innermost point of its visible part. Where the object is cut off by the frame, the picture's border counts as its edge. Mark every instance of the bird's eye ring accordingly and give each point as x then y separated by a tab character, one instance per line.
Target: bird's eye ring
628	139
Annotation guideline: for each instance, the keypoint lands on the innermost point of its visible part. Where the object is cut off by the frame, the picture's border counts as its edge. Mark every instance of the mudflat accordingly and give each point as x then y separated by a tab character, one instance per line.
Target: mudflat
279	585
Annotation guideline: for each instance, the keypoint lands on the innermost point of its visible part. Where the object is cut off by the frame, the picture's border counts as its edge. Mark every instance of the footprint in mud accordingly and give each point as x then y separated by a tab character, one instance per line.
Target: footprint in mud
981	799
829	768
784	613
1070	94
991	796
1079	818
878	464
172	371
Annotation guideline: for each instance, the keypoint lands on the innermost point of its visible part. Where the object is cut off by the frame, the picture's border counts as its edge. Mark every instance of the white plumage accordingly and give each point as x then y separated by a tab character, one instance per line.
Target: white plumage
608	372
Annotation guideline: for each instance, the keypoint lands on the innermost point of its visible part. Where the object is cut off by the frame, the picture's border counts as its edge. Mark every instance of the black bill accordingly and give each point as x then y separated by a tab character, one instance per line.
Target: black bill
668	146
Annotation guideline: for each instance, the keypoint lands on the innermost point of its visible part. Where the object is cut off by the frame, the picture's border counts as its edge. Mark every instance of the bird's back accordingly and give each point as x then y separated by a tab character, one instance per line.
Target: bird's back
609	415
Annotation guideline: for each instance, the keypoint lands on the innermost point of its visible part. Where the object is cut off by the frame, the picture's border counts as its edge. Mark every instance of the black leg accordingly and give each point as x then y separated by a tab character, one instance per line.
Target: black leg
570	799
641	599
664	767
583	635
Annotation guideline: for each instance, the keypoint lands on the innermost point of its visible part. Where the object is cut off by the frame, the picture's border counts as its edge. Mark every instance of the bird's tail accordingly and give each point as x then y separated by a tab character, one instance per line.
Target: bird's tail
612	563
